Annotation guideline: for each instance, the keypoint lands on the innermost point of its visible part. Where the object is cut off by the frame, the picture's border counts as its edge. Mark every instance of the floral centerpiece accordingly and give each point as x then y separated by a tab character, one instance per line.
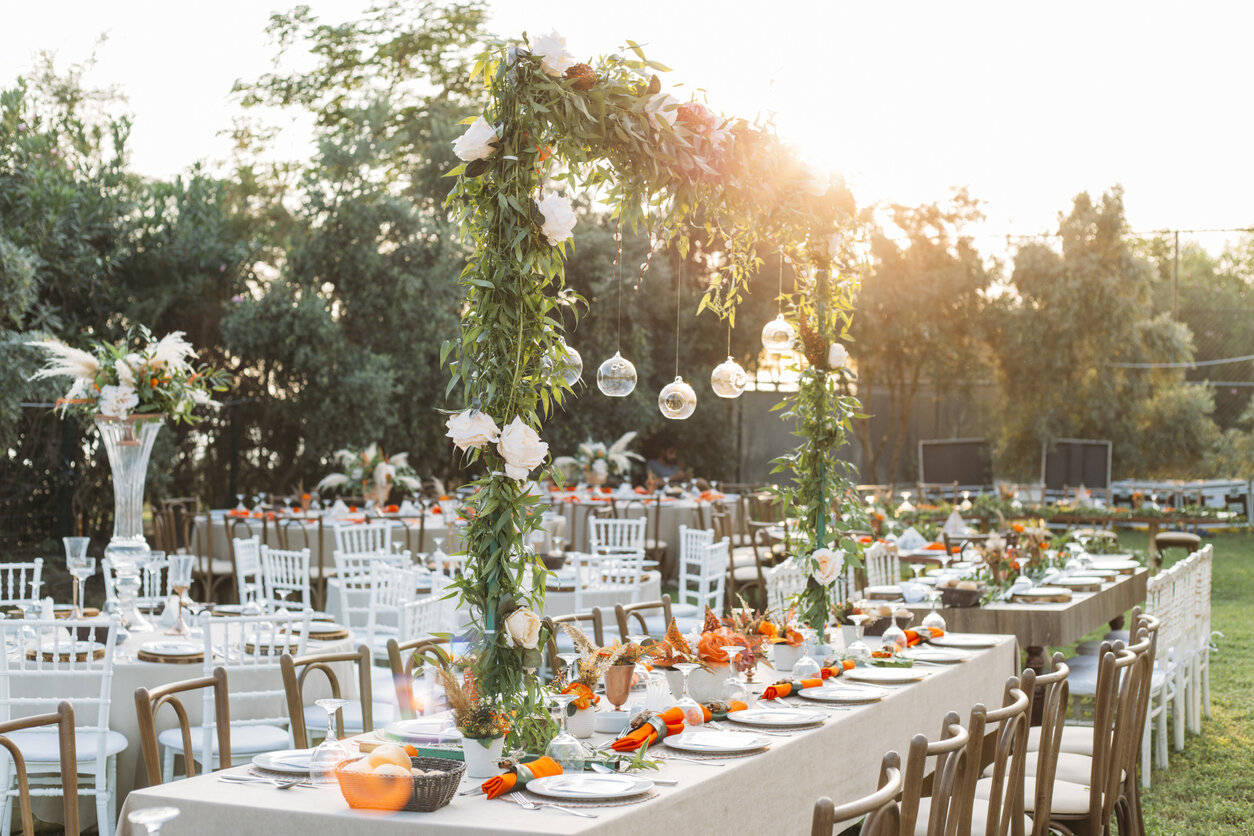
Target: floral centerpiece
128	388
373	471
481	720
599	462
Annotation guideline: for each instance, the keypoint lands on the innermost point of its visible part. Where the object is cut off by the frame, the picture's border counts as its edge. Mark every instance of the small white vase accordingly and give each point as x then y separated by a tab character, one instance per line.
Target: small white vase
786	655
704	685
480	759
582	723
675	679
848	634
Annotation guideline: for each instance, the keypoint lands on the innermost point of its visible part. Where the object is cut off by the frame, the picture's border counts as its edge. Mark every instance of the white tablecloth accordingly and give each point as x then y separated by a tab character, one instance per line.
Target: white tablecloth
772	792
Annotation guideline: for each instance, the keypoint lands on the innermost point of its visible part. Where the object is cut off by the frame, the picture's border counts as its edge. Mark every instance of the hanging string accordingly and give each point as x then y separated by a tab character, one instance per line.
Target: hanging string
780	297
679	286
729	337
618	275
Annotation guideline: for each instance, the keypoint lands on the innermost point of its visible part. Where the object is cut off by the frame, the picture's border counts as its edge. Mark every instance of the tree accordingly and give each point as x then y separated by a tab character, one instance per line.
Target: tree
1061	337
915	319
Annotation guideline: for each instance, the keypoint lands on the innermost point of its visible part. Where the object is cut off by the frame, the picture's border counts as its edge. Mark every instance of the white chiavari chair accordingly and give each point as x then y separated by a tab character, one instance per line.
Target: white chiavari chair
883	567
360	538
247	552
250	648
353	575
617	534
285	577
20	582
61	661
391	587
693	591
613	575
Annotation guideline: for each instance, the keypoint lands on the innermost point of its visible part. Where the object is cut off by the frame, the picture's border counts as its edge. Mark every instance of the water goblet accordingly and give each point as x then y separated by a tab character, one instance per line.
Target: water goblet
81	568
933	621
693	714
239	502
806	667
330	752
568	659
732	688
152	819
75	551
180	576
894	638
565	748
858	649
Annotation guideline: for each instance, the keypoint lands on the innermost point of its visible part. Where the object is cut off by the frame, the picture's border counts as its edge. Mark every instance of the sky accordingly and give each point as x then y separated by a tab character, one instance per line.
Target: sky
1026	104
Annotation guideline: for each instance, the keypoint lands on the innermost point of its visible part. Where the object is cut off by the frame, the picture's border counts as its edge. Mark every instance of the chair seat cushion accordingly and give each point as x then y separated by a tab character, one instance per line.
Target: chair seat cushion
316	718
745	574
1078	739
245	739
1077	769
1068	800
38	746
1182	539
979	817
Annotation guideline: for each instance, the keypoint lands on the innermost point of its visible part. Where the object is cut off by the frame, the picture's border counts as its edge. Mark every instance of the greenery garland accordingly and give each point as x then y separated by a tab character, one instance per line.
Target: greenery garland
678	168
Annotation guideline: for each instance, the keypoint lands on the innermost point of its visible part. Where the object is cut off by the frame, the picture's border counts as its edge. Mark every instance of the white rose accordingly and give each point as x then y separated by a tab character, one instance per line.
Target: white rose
472	429
830	564
551	50
837	356
521	448
523	629
559	218
662	106
475	144
117	401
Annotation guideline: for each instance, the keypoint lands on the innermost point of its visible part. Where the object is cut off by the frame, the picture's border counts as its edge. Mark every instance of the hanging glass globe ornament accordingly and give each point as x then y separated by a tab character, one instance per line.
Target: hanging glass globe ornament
729	379
569	364
778	335
677	400
616	378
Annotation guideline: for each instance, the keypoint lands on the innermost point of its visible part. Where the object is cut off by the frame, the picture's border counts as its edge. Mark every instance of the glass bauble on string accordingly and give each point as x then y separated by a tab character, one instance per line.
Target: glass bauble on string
569	364
728	380
677	400
616	378
778	335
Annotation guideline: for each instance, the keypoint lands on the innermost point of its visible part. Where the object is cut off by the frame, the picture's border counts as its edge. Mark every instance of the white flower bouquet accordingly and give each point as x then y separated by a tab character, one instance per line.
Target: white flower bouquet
599	461
373	471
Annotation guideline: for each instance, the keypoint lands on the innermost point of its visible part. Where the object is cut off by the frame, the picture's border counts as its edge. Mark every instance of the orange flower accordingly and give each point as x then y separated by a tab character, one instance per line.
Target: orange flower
710	647
584	697
1017	527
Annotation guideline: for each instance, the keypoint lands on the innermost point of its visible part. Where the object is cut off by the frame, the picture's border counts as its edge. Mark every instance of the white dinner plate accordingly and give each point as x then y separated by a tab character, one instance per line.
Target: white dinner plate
1114	565
713	742
776	717
844	694
434	729
294	761
589	786
1077	581
886	676
168	648
880	592
65	647
970	640
316	627
935	655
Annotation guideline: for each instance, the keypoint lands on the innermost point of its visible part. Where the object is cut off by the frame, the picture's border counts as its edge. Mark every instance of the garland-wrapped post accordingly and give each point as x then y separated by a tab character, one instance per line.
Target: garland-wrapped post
678	168
822	495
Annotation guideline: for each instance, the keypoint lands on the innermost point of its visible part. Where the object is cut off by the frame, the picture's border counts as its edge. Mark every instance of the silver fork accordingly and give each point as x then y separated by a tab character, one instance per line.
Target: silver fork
528	804
283	784
715	724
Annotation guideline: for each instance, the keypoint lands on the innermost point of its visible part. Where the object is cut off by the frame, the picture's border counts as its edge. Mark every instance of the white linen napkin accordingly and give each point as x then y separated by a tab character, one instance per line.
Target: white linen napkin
339	509
910	540
955	526
407	509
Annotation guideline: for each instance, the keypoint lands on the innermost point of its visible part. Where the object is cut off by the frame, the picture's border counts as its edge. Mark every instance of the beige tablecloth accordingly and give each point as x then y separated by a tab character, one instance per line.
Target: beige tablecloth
773	792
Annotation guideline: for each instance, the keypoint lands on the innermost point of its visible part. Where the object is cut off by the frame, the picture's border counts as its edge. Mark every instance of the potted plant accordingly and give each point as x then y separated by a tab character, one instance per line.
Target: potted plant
482	723
591	666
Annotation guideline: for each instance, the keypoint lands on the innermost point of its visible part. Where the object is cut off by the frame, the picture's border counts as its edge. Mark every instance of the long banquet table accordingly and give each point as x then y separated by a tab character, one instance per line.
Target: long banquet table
773	791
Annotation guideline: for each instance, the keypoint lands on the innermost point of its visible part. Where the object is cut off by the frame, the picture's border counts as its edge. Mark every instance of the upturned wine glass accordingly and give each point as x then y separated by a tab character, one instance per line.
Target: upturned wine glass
694	715
565	748
330	752
933	620
732	688
858	649
806	667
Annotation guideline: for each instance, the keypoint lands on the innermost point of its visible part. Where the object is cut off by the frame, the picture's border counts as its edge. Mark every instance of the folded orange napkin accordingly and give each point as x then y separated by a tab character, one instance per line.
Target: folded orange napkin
913	637
519	775
783	689
724	710
935	547
828	673
669	722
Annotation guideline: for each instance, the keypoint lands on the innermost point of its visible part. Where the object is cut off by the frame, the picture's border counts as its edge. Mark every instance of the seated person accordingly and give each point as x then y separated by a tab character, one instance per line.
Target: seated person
667	466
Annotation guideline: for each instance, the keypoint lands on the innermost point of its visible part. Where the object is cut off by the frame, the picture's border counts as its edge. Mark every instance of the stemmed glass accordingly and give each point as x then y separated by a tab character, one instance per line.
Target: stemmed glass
732	688
894	635
152	819
693	714
81	568
181	566
330	752
153	565
806	667
75	552
933	620
565	748
239	504
858	649
438	557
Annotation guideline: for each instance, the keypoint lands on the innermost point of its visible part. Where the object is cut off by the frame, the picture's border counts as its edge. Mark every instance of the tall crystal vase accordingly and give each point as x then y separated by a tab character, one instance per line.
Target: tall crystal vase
128	443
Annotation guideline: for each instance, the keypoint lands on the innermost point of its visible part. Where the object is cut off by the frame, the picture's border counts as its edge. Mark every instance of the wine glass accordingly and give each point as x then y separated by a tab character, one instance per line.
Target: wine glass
693	714
152	819
180	576
894	635
806	667
330	752
858	649
438	557
933	620
239	502
81	568
568	660
75	551
732	688
565	748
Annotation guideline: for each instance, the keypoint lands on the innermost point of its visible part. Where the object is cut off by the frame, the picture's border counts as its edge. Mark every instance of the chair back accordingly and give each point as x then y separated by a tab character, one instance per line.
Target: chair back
1053	717
216	698
1005	803
616	534
391	587
360	538
624	613
951	751
250	647
20	582
285	577
63	719
612	573
421	617
711	577
246	555
883	817
692	545
784	582
401	658
296	671
883	567
61	660
553	624
354	575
